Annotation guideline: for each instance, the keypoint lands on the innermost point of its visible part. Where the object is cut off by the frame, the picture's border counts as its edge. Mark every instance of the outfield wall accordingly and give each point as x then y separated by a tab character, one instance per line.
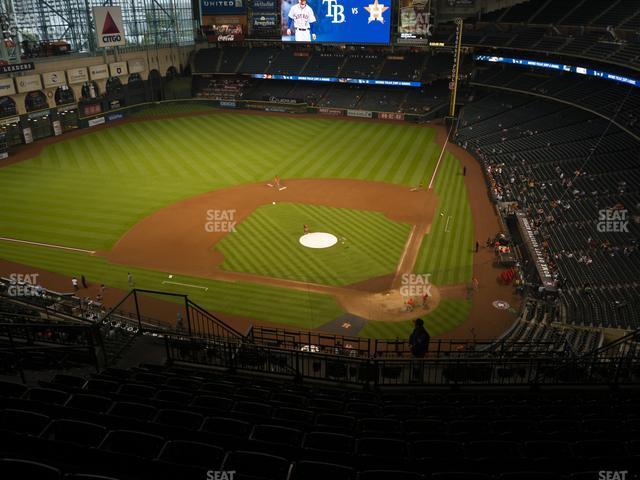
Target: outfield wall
29	127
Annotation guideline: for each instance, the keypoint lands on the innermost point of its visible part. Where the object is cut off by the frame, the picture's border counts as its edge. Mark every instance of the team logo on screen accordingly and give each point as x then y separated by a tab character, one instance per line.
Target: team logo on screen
335	10
376	10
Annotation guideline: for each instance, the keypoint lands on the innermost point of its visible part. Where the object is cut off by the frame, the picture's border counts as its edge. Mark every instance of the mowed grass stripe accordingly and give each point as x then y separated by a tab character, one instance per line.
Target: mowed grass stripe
223	297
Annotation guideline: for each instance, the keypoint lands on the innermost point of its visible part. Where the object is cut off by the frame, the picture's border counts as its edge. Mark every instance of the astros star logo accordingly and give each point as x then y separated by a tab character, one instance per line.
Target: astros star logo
376	10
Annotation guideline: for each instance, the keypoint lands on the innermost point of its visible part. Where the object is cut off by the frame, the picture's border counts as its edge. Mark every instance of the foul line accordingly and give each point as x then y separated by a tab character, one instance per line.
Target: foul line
206	289
48	245
446	227
444	148
406	249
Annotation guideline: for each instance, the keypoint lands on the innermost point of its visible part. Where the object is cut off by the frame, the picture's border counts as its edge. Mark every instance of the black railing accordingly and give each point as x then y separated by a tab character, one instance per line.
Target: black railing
455	368
320	342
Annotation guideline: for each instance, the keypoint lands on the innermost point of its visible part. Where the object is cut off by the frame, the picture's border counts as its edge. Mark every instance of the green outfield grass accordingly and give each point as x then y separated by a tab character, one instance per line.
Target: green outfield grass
88	191
266	243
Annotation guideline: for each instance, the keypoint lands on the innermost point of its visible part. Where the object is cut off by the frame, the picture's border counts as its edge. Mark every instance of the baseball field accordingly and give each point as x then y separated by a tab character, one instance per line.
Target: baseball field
183	203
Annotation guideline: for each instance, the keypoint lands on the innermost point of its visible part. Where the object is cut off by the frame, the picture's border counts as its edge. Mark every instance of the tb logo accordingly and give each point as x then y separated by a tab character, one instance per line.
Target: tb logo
335	10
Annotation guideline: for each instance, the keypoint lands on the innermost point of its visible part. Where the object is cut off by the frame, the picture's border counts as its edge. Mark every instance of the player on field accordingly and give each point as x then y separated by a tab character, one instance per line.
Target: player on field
301	18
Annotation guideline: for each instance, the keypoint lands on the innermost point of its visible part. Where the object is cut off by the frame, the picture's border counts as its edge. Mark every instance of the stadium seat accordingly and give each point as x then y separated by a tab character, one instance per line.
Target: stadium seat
275	439
251	411
149	378
133	410
328	446
101	387
382	427
74	431
306	470
424	429
70	381
192	453
256	465
530	476
22	421
186	384
134	391
87	476
387	474
172	398
459	476
381	453
289	399
91	403
293	417
133	443
11	389
211	404
335	423
229	433
252	394
47	395
11	468
179	418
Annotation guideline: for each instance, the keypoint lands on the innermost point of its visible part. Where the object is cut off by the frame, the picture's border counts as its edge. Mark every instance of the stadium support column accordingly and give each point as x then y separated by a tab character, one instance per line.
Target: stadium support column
455	70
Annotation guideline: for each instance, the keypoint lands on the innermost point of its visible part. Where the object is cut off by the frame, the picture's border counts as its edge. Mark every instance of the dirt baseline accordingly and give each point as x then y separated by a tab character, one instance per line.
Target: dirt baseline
174	239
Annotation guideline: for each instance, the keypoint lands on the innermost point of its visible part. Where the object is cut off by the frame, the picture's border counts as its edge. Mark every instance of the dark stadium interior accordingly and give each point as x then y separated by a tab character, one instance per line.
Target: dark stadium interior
94	393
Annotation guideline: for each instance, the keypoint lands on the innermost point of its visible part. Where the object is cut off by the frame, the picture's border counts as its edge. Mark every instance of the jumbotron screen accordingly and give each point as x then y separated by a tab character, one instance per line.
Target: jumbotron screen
336	21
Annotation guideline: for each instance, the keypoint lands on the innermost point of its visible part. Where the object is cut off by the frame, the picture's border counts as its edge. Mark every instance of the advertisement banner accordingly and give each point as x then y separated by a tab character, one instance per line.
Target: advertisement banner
109	26
331	111
228	104
29	83
96	121
10	121
40	114
225	33
414	21
222	7
112	117
17	67
54	79
391	116
359	113
28	135
117	69
461	3
265	21
336	21
359	81
137	65
264	6
57	127
535	249
7	87
77	75
91	109
98	72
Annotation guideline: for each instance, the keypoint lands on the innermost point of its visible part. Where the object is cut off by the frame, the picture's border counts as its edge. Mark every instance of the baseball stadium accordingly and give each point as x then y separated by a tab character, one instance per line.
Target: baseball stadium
313	239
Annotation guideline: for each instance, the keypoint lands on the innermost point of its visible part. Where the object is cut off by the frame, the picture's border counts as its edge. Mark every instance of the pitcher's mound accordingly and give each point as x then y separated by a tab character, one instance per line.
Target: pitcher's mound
318	240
